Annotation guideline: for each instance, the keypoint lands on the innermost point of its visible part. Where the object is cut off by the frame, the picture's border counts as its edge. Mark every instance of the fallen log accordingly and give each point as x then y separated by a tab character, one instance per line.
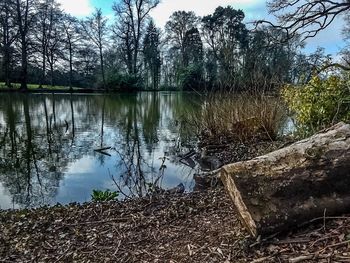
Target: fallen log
282	189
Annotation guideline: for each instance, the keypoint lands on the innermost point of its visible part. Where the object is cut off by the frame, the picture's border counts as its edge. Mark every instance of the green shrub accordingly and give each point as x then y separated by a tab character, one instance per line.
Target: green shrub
103	196
122	82
319	104
190	78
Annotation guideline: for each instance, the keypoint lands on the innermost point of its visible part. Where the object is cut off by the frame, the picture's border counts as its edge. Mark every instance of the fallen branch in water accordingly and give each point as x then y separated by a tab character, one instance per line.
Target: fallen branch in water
187	155
102	151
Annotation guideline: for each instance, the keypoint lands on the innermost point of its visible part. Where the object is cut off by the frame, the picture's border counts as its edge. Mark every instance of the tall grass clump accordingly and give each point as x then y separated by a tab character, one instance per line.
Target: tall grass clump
227	117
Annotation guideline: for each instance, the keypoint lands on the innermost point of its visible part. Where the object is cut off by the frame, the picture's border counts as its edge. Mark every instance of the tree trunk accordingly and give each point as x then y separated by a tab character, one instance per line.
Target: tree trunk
6	66
6	43
293	185
102	67
23	30
43	76
52	81
51	69
70	66
24	66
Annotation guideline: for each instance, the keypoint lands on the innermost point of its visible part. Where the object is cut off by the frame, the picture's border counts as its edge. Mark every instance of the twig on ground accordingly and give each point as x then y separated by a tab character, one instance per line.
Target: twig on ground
308	257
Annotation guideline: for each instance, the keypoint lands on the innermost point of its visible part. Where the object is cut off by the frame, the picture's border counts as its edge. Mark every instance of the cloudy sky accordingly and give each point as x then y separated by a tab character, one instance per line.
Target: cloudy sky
330	39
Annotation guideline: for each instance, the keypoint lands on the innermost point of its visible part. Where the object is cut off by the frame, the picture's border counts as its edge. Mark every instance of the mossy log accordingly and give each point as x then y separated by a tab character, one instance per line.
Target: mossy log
293	185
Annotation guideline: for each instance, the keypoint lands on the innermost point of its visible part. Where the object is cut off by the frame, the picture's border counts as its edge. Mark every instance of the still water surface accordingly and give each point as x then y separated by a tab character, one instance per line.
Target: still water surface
47	145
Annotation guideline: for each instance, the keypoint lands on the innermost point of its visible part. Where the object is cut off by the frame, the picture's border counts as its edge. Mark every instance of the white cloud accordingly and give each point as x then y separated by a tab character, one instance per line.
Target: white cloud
77	7
165	9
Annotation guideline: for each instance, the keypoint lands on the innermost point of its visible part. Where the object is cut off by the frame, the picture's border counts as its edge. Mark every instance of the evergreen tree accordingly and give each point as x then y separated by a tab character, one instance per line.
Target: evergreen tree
151	51
227	37
193	48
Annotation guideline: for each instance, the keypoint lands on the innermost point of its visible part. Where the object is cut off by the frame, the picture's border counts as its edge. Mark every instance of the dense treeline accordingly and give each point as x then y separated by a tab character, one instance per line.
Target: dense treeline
42	44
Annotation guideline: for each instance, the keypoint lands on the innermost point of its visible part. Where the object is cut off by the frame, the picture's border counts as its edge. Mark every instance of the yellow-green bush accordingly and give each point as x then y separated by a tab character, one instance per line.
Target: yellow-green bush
320	103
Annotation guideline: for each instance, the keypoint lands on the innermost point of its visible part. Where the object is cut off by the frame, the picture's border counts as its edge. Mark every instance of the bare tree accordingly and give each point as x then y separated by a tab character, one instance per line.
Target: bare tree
48	14
72	37
8	35
306	17
95	27
24	20
122	30
179	24
134	14
54	48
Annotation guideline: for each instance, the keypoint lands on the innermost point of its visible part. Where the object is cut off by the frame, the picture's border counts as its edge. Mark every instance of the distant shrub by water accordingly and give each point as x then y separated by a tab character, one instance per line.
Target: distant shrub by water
122	82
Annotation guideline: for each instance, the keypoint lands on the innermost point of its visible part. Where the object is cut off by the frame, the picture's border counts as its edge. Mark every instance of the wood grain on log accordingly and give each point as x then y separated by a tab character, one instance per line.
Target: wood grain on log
292	185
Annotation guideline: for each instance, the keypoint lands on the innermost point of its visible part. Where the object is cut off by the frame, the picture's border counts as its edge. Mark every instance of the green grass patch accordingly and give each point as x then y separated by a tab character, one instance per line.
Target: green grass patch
36	87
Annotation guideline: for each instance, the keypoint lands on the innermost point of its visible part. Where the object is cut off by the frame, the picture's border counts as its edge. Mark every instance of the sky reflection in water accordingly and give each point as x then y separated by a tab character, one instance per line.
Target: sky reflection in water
47	145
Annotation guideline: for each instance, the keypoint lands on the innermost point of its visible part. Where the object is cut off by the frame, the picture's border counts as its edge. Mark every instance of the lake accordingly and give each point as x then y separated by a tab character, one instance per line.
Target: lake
48	143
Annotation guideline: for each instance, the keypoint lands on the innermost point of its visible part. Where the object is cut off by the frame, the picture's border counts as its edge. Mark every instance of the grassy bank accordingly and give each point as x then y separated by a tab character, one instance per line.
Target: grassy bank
34	87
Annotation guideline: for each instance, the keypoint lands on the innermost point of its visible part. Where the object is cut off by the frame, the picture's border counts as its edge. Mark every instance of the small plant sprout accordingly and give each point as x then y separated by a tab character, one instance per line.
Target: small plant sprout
104	196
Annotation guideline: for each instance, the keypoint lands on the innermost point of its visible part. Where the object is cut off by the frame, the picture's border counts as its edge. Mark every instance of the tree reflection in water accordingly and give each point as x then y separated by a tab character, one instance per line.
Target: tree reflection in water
43	136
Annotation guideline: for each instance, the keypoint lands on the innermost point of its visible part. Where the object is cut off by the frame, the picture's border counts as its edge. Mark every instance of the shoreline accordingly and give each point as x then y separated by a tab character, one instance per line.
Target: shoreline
81	91
200	226
194	227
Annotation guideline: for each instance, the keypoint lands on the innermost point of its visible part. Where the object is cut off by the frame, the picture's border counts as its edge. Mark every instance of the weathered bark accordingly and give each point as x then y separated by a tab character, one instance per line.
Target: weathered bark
293	185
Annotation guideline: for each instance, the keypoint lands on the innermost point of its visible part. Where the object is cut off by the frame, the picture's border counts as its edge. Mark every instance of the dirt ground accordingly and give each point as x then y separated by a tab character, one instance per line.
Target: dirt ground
196	227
